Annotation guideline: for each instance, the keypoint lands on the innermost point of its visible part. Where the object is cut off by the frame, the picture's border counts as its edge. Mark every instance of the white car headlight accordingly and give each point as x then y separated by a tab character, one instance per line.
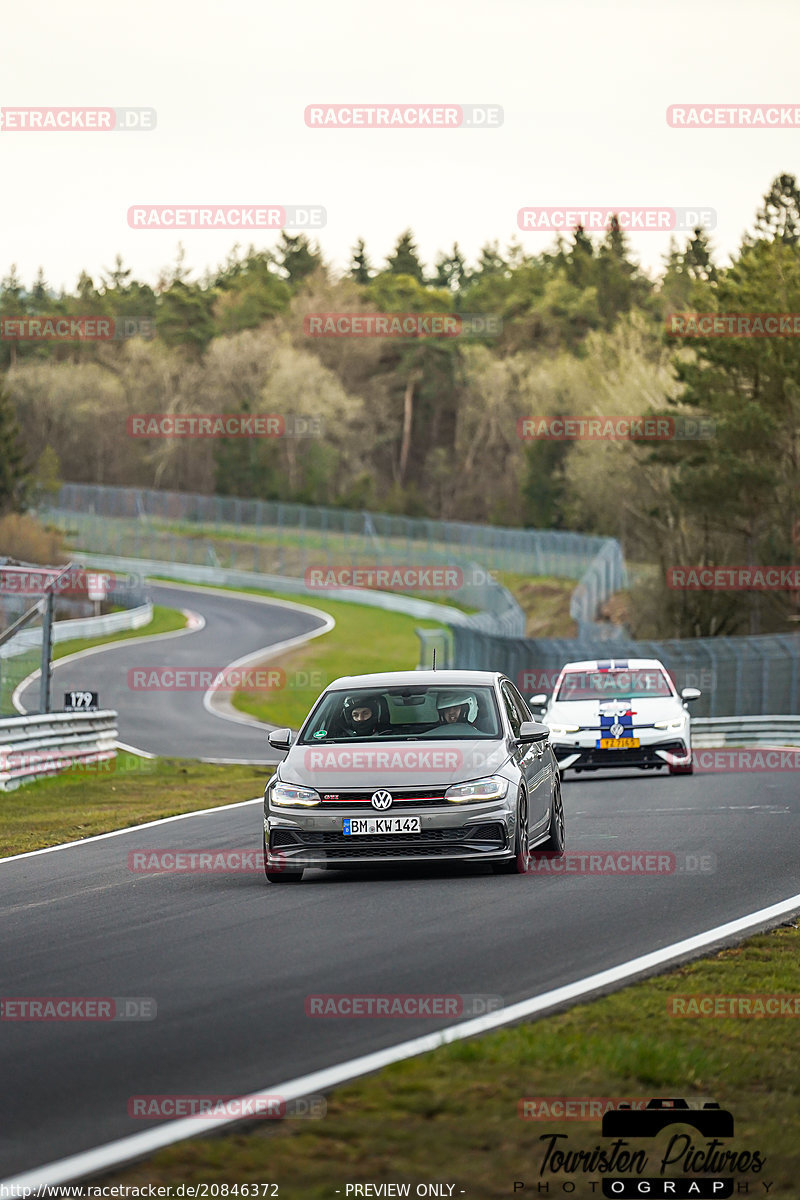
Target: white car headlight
492	788
565	728
289	795
675	724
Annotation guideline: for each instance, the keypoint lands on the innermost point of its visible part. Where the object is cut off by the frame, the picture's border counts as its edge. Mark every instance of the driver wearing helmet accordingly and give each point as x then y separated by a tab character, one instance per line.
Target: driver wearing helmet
362	715
458	710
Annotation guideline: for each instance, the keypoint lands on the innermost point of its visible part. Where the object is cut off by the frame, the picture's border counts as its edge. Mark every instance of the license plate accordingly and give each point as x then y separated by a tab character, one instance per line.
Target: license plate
357	825
618	744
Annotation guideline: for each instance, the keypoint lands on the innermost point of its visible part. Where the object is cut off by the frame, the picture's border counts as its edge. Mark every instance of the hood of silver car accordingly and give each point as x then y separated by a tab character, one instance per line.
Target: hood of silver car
367	764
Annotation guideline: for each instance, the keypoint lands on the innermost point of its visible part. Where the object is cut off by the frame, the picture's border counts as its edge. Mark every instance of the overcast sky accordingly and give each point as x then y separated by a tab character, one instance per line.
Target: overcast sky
584	88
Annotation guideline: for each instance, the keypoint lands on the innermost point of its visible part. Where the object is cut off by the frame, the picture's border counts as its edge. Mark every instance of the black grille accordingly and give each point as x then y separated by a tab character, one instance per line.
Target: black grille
626	758
401	798
334	844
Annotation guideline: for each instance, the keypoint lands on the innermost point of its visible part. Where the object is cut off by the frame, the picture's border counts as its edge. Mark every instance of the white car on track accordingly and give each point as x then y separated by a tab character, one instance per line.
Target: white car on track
611	713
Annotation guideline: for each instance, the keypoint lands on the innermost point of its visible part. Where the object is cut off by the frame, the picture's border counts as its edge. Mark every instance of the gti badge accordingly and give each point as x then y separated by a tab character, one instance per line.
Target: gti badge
381	800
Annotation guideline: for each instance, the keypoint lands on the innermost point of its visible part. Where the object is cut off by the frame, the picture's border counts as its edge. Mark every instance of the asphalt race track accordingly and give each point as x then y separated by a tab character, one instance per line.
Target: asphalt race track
230	959
176	722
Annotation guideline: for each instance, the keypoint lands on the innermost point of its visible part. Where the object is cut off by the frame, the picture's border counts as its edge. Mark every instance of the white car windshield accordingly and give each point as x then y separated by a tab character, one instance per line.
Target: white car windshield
635	683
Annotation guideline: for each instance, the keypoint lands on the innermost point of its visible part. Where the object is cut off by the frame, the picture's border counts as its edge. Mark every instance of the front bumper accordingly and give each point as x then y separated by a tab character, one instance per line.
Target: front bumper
571	755
460	833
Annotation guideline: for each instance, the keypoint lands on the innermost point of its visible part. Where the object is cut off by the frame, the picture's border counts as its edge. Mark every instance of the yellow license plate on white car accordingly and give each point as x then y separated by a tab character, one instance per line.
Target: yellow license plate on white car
618	744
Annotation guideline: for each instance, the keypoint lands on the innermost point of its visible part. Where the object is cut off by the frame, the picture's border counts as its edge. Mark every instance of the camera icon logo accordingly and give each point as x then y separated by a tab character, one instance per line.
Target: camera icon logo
710	1121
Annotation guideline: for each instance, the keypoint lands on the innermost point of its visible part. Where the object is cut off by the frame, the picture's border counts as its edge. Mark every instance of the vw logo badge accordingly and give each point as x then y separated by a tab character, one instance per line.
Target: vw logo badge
617	730
381	800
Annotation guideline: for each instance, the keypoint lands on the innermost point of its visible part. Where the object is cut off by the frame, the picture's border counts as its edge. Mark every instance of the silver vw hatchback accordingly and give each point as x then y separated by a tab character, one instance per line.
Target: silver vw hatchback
413	766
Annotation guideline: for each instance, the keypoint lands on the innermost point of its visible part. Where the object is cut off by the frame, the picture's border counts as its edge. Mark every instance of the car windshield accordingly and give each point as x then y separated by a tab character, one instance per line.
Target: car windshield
636	683
399	713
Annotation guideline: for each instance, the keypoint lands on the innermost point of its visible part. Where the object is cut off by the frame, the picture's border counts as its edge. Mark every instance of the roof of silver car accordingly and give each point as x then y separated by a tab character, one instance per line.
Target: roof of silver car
421	678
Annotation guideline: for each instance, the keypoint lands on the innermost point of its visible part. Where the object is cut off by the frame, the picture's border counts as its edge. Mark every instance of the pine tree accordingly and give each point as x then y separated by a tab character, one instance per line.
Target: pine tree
13	479
779	216
405	258
360	266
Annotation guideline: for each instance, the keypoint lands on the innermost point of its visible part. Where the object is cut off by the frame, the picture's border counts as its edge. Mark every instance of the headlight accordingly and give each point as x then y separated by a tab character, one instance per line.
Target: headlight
669	724
565	728
480	789
288	795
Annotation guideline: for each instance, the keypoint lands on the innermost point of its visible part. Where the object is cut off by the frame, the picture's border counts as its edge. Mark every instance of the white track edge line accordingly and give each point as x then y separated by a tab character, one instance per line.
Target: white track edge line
99	837
138	1145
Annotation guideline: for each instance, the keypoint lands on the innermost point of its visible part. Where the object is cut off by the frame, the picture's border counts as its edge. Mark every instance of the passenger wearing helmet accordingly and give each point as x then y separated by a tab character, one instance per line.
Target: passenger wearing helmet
362	715
457	709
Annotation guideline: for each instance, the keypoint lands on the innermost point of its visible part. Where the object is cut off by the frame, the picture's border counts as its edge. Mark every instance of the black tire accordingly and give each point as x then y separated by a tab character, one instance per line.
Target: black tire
518	865
687	770
279	876
556	842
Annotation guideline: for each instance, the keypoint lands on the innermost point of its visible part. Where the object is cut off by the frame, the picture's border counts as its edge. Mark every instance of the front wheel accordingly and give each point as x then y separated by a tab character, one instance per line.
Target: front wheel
281	876
687	769
518	865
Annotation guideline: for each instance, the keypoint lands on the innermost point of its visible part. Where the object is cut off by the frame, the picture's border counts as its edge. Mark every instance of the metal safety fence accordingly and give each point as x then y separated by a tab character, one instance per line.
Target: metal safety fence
293	539
751	675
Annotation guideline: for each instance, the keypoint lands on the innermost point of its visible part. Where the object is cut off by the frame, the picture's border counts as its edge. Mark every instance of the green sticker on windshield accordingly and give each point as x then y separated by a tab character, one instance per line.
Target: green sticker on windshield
321	733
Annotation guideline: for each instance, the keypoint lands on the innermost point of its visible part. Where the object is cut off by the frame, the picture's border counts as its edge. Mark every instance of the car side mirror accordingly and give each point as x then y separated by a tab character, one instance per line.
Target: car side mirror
532	731
691	694
280	739
538	701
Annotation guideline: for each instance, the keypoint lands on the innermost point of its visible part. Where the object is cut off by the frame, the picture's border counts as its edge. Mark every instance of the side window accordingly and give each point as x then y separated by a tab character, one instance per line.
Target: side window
511	710
521	706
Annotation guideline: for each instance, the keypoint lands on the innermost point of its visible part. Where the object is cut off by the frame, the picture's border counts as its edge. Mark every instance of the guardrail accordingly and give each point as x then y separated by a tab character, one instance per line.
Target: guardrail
32	747
746	731
80	627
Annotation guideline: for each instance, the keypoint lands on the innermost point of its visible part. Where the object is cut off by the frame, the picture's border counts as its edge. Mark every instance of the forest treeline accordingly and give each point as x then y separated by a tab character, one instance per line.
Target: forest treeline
429	426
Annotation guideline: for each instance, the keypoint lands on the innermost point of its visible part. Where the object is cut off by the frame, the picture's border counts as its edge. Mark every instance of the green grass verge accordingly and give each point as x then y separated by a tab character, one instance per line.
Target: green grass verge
452	1115
127	791
364	639
165	620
